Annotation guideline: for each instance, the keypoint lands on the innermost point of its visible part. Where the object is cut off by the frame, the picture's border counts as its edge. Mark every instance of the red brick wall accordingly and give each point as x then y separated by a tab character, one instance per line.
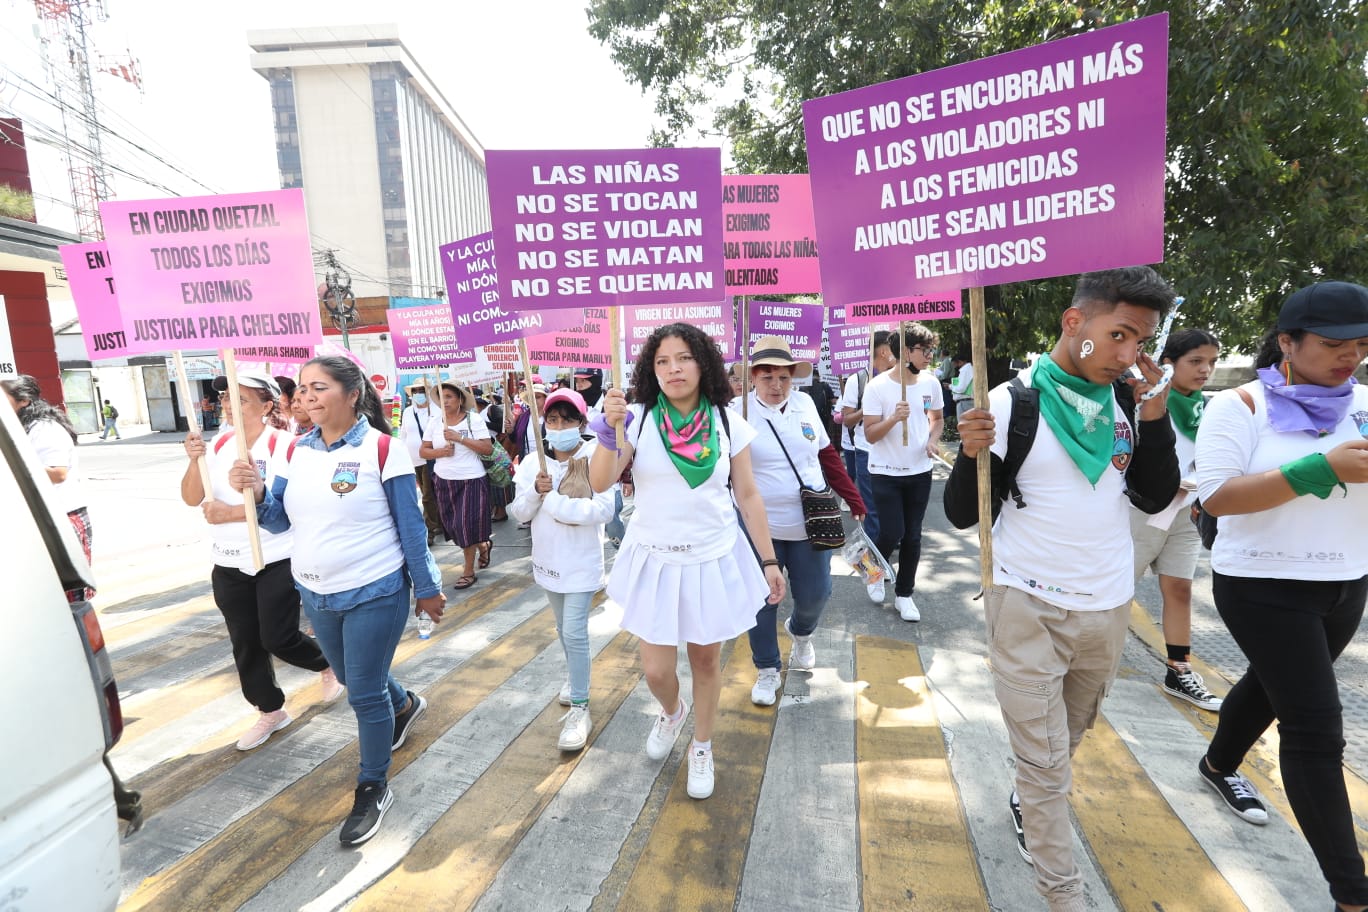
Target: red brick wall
14	167
35	349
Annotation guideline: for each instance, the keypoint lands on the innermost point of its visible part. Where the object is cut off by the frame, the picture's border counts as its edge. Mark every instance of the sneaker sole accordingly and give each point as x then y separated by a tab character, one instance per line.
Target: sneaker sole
266	737
573	746
759	700
696	797
1200	704
366	836
403	736
1234	810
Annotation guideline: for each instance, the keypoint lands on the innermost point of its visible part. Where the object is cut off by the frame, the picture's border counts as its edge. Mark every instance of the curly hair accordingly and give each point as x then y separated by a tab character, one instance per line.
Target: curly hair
712	373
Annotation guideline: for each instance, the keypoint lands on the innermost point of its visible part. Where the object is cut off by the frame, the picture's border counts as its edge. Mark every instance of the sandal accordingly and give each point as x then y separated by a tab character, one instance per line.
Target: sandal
485	548
465	582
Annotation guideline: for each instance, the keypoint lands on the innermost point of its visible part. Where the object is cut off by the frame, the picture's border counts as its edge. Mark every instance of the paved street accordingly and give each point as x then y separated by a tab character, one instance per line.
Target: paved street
879	782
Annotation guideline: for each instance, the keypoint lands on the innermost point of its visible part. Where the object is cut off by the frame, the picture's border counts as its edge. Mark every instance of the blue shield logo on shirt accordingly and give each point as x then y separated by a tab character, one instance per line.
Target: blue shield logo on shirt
345	477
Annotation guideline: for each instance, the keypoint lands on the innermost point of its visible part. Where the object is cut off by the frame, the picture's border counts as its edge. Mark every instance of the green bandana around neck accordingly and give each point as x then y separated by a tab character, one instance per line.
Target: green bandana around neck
1186	411
689	439
1081	415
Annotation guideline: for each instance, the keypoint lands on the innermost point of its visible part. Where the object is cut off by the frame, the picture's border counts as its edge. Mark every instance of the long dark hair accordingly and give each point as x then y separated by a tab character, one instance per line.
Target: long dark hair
274	417
712	373
36	408
1270	352
1185	340
354	380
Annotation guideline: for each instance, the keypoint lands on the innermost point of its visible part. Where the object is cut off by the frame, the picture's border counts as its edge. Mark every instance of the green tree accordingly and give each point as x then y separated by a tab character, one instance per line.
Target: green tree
1267	122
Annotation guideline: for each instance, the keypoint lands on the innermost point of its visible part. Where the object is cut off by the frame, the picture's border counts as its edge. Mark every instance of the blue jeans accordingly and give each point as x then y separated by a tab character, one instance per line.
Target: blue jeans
359	644
865	483
848	457
572	623
109	428
616	528
809	577
904	499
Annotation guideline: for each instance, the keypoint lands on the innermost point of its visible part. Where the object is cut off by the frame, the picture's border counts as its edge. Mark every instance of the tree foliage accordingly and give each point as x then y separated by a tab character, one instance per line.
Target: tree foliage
1267	186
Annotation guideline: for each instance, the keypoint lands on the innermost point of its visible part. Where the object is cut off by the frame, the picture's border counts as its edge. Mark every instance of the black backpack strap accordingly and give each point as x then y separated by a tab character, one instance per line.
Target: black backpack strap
1021	432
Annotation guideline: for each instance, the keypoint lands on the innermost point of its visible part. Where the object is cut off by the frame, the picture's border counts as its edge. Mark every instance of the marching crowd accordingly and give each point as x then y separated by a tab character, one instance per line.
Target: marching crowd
1101	456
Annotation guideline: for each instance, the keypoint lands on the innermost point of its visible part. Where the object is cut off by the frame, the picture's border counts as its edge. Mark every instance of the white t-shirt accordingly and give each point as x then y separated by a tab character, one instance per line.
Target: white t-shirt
800	427
344	534
962	387
1071	544
413	428
1187	468
850	398
57	450
676	523
889	456
1306	538
567	532
230	546
465	463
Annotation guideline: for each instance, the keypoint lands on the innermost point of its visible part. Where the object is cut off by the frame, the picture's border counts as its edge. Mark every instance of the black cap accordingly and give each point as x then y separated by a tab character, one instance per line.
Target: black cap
1335	310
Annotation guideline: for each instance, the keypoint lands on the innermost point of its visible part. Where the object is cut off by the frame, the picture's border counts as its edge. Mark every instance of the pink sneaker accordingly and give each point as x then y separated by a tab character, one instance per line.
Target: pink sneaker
267	725
332	689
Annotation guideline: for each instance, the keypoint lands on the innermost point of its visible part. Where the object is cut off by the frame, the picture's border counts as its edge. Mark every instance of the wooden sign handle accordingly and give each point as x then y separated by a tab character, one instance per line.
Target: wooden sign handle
534	421
979	355
240	438
902	372
192	421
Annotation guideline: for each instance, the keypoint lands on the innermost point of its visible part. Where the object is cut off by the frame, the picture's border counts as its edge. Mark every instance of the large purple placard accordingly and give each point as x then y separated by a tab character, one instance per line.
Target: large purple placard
472	288
1041	162
603	228
798	323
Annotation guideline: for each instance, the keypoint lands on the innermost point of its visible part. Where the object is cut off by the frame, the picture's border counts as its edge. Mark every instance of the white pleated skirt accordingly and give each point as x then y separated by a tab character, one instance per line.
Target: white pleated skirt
668	604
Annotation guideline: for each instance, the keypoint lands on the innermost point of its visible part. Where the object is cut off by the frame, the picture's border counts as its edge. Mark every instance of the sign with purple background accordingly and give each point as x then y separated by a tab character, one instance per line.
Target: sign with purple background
771	242
914	308
1041	162
798	324
717	320
91	278
849	342
606	227
424	337
228	271
472	288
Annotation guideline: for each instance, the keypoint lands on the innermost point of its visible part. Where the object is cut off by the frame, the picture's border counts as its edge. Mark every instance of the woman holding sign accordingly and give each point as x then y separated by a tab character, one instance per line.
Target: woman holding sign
456	443
685	572
359	547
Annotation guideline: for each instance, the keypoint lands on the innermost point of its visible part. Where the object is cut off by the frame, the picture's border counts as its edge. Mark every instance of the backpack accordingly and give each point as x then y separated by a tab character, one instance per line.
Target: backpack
1021	434
113	413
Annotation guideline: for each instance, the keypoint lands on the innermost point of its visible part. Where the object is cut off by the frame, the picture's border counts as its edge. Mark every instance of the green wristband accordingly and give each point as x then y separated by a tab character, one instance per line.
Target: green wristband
1311	475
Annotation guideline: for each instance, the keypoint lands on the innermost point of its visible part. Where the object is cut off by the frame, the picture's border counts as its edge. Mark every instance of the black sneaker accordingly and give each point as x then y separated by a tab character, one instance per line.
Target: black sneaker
1188	685
1015	804
1237	792
404	720
372	800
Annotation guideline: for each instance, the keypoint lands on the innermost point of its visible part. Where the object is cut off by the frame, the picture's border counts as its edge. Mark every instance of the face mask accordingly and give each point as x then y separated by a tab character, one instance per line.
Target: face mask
419	399
564	440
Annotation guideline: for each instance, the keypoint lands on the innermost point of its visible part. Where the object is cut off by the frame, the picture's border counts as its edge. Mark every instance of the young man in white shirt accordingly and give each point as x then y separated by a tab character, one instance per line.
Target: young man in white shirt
900	465
1063	573
412	425
852	416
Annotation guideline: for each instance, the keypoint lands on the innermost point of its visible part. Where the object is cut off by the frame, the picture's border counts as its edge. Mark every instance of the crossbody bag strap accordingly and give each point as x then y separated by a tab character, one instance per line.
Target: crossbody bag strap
784	450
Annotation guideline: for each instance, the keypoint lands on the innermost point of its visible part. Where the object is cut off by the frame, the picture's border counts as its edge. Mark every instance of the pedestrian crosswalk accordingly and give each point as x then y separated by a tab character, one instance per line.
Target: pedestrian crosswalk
879	781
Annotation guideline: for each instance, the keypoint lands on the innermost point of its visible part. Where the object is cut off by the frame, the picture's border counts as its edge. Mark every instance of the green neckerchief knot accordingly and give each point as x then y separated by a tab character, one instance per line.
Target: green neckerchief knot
689	439
1186	411
1080	413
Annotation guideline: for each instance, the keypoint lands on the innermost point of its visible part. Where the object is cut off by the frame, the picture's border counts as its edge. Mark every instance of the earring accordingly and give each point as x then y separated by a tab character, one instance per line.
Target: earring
1086	348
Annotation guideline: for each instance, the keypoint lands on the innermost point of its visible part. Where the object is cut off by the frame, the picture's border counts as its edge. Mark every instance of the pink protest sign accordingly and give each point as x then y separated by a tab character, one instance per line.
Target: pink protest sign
848	342
797	323
771	239
230	271
1041	162
717	320
590	345
424	337
604	227
91	278
911	308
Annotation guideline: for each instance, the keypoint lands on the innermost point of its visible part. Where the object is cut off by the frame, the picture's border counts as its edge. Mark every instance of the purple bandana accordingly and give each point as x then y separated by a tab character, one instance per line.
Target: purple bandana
1305	407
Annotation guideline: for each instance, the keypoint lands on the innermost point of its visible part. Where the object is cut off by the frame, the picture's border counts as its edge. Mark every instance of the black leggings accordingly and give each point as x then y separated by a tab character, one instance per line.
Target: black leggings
1292	631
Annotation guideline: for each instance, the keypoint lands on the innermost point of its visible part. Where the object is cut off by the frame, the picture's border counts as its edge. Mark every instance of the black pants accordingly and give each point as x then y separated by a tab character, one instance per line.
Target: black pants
902	503
262	614
432	516
1292	631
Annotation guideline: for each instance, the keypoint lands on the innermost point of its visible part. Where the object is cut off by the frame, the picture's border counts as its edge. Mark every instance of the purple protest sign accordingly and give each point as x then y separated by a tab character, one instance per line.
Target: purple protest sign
1041	162
91	279
799	324
916	307
603	227
424	337
472	288
717	320
849	342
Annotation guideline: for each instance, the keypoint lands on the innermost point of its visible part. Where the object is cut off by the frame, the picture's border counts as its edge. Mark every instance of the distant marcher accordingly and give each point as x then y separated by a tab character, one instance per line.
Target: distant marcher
111	417
852	416
962	386
413	425
302	421
286	402
455	443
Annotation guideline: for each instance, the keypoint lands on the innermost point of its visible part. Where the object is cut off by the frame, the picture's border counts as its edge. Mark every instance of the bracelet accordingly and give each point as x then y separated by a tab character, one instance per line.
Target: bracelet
772	562
1311	474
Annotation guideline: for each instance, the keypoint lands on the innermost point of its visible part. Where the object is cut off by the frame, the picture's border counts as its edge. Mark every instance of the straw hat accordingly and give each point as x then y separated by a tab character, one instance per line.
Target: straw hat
773	351
467	400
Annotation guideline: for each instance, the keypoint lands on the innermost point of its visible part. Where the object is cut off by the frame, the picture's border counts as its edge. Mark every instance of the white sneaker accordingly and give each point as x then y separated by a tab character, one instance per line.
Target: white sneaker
876	592
664	732
575	732
267	725
907	609
332	688
766	687
700	772
802	656
564	698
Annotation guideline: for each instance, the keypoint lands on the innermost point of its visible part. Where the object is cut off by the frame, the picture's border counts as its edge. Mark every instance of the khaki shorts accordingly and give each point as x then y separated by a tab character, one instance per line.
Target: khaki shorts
1168	552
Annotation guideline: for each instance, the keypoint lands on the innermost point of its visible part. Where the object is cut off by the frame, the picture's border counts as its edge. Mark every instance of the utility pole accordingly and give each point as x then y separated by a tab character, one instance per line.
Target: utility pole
338	297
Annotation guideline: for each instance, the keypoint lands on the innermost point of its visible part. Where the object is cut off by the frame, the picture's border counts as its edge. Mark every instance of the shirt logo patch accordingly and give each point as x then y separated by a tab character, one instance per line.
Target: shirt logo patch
926	402
1122	447
808	432
345	476
1360	420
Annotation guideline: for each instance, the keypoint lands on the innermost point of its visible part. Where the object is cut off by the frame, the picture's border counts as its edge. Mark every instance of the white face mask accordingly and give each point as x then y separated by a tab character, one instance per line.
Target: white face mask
564	439
419	399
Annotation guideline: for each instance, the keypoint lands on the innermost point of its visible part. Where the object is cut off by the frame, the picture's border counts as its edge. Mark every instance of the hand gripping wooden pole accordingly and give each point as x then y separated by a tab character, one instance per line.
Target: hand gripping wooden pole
979	354
744	369
192	420
534	420
240	438
614	333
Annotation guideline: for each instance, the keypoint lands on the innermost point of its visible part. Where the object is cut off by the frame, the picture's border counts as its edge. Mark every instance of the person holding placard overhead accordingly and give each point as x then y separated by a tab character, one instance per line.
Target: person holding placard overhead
360	551
455	443
685	572
900	462
259	608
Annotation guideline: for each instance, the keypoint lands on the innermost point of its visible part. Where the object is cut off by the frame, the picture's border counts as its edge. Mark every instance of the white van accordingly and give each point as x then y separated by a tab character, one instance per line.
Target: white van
59	709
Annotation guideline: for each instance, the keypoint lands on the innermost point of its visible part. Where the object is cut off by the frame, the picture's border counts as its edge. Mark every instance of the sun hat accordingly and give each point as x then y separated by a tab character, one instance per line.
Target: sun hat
773	351
467	399
1335	310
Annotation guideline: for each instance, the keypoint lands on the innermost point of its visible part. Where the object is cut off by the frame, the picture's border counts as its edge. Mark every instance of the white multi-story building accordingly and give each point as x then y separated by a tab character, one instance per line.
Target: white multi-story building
389	170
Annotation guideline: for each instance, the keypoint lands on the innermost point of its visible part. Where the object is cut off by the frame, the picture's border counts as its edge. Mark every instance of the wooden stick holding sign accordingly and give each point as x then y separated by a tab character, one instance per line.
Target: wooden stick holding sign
240	438
979	358
615	334
534	422
902	372
192	419
744	369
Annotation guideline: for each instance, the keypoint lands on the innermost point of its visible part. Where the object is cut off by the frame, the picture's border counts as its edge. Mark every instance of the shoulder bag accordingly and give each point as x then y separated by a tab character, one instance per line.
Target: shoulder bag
821	509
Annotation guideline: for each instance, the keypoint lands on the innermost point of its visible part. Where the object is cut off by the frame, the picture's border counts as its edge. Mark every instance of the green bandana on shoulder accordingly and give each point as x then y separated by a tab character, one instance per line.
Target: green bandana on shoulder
1186	411
1081	415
